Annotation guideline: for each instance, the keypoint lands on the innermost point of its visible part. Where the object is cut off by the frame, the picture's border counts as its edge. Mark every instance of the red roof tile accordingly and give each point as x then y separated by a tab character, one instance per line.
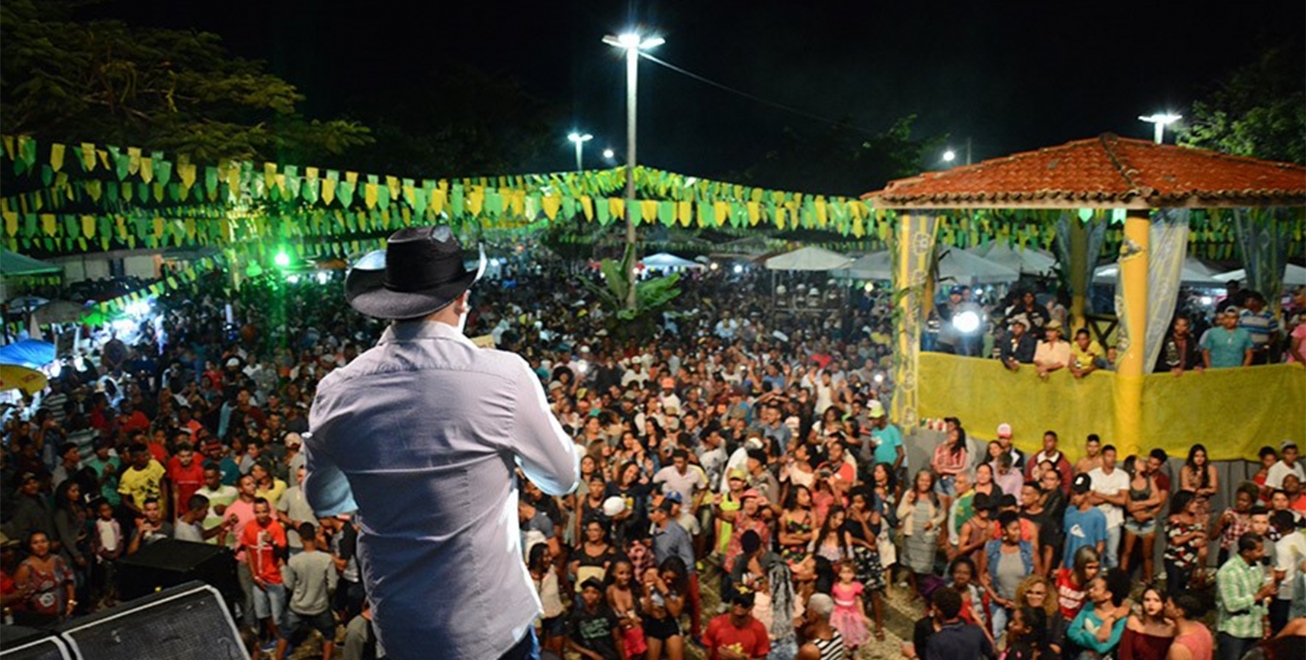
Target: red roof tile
1106	171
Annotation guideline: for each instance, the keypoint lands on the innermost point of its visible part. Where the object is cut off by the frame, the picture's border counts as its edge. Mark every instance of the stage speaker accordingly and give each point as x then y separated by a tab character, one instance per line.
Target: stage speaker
189	621
19	643
169	562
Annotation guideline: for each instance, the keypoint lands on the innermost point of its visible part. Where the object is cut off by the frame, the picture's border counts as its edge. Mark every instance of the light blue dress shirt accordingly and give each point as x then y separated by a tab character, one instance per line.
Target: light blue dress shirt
420	435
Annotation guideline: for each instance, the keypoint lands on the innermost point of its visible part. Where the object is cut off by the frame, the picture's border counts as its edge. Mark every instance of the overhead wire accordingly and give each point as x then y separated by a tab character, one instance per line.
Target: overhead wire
754	97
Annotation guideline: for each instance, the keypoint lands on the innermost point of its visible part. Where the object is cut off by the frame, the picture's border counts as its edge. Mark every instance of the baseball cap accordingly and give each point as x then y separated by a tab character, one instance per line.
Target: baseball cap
666	504
1004	430
875	410
674	496
737	473
1082	484
751	492
26	477
294	440
1286	444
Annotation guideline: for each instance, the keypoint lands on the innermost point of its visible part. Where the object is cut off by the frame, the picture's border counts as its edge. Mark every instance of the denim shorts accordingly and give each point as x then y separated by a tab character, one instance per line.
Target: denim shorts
946	485
1146	528
270	602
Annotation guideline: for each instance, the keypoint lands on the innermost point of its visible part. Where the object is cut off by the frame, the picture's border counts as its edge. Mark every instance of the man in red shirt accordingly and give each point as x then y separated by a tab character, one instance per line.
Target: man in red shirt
264	541
186	476
736	635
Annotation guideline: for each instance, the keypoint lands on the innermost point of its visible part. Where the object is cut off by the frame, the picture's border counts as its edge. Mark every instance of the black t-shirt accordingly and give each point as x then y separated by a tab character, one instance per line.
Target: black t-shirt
594	630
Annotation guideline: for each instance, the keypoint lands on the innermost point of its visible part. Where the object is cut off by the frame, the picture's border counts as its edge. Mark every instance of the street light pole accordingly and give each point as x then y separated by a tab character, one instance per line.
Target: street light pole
579	141
632	43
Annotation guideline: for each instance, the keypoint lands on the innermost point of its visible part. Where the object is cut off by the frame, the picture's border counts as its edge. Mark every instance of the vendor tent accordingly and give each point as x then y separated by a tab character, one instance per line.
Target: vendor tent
1028	260
966	268
1293	275
31	353
1194	272
663	260
808	258
873	266
13	264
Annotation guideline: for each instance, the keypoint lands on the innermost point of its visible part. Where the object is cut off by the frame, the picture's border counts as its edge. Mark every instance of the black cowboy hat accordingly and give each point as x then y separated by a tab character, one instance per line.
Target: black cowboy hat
420	271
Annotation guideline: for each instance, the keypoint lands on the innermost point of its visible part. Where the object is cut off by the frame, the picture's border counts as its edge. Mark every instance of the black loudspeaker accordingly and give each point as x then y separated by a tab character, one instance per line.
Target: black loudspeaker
168	562
19	643
187	621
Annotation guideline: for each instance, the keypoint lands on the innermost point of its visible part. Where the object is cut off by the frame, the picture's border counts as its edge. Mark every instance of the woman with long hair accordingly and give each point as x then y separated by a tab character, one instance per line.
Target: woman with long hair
1072	583
950	457
1038	592
1142	511
1148	633
664	589
796	531
1003	565
554	621
863	525
594	553
921	515
984	482
71	533
624	594
1185	534
1199	476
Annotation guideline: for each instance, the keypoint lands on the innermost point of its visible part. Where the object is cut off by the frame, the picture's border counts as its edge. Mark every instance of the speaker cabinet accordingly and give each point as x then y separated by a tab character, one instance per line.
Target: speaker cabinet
168	562
189	621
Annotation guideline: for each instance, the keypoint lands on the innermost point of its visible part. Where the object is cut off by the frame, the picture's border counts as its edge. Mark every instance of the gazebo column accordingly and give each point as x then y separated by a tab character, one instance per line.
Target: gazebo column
912	250
1131	367
1079	271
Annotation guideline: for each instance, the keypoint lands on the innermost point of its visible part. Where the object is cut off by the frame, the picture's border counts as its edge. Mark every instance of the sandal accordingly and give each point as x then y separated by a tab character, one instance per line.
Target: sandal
879	634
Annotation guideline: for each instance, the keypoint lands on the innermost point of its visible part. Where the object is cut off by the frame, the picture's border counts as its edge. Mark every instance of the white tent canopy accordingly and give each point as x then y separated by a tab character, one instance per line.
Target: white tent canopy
1293	275
873	266
1194	272
966	268
956	266
808	258
664	260
1028	260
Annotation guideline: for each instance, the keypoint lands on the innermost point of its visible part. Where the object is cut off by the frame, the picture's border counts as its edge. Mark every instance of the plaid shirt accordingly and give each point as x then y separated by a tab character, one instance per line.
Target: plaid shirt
1242	523
1237	583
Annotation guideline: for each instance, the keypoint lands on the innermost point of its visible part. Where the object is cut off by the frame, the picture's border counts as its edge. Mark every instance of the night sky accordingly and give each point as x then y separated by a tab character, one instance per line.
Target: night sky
1011	76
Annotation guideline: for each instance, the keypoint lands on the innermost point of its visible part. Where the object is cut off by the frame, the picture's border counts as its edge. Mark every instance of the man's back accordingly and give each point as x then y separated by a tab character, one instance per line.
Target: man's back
421	431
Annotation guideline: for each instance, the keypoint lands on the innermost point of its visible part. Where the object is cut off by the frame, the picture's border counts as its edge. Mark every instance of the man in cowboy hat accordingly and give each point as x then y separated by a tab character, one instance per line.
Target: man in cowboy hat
1054	353
421	435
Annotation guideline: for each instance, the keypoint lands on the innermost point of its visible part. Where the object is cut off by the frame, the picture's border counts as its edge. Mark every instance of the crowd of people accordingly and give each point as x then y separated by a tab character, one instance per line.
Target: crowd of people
738	449
1239	330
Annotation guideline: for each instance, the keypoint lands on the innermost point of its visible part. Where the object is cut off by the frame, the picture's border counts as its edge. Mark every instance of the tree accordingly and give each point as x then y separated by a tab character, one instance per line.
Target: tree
1259	110
842	160
107	82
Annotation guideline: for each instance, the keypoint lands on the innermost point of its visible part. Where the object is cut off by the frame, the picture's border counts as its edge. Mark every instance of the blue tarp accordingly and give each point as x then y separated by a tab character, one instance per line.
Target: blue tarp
32	353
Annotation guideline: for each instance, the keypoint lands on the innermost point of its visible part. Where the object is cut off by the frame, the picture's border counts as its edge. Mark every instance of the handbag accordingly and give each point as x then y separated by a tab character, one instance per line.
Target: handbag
635	641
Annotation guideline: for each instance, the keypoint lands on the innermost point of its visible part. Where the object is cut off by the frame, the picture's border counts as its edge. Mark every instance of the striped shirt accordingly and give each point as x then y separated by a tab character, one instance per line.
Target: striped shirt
1240	614
831	649
1260	325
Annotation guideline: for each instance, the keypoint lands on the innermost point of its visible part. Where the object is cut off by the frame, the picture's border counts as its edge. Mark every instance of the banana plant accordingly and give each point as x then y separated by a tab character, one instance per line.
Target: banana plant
651	295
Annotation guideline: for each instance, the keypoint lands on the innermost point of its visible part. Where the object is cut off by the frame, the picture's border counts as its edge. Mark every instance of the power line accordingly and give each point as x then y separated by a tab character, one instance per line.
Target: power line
752	97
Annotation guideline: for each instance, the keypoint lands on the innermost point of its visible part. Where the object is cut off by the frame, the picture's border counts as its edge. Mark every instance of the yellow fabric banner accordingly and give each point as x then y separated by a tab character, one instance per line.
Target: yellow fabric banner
1234	412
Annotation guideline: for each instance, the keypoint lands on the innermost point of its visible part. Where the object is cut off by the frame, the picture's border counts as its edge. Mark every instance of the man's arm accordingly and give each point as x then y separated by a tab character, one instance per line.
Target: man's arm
544	451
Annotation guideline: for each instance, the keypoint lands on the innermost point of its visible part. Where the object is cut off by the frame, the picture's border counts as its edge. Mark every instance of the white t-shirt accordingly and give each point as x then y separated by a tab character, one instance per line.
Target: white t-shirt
1289	553
1110	485
1274	477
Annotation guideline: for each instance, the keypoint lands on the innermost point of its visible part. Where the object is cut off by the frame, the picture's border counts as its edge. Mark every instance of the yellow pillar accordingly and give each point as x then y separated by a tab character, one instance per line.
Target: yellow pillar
913	247
1078	272
1131	369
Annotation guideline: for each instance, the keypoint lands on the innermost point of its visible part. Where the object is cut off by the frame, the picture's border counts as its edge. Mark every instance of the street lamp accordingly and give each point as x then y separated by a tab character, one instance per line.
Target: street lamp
949	156
609	154
632	43
1159	121
579	141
